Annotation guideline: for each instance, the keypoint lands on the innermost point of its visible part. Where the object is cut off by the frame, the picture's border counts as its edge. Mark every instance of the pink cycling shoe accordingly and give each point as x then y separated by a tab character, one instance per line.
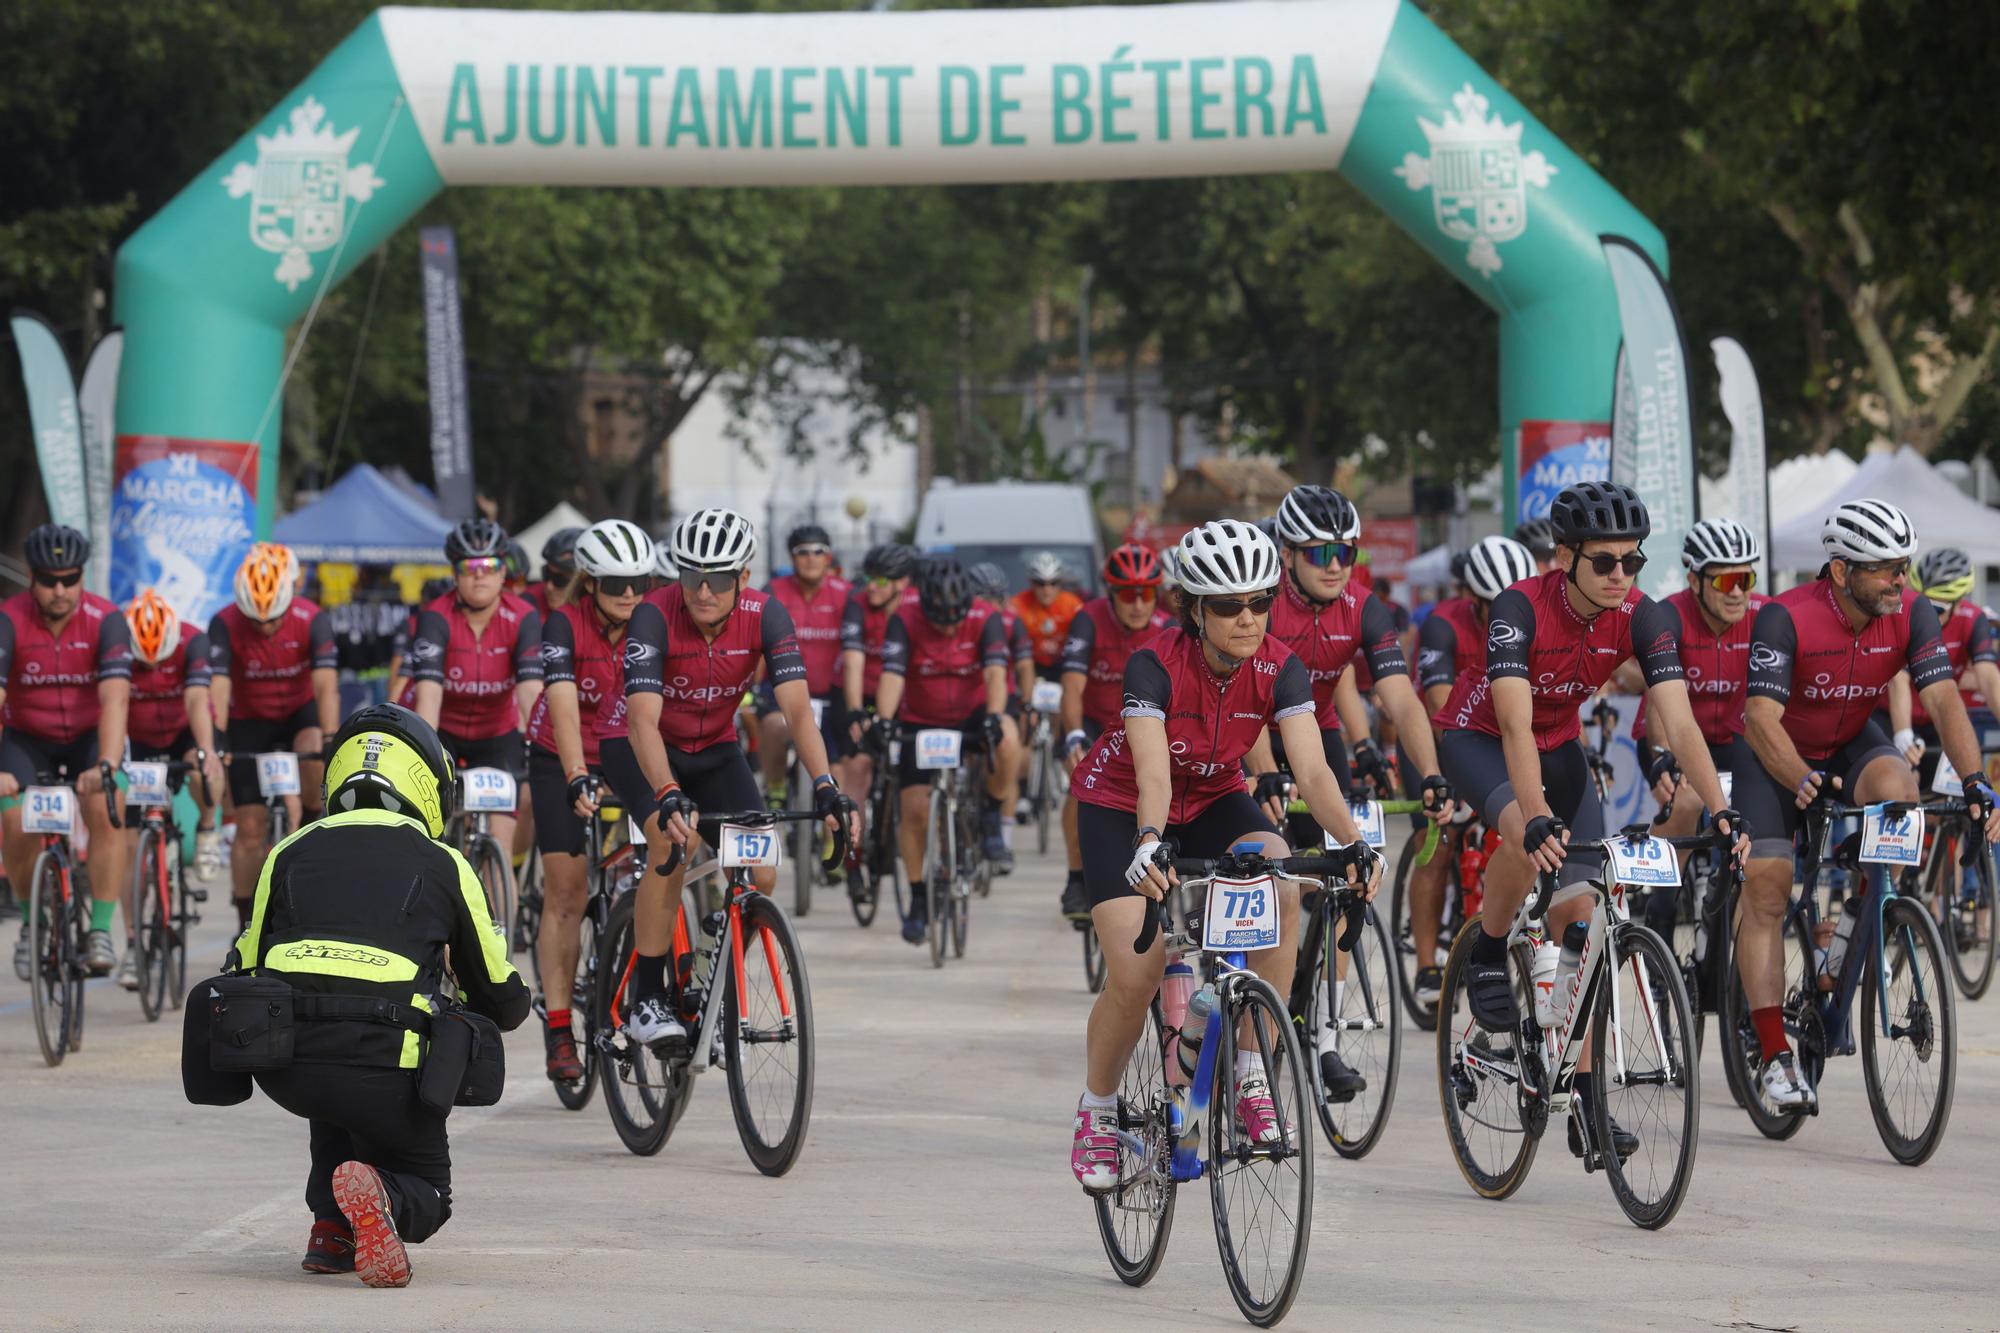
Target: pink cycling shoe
1094	1155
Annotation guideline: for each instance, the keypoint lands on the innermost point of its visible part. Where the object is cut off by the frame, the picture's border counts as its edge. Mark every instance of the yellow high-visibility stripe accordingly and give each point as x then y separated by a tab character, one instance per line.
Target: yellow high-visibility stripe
492	943
340	958
413	1050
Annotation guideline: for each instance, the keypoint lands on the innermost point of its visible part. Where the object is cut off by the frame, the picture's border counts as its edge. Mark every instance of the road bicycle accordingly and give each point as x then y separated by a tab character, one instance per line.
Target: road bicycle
1048	781
162	911
59	911
740	986
1626	999
482	794
1464	893
955	869
1177	1126
1960	895
1894	959
880	856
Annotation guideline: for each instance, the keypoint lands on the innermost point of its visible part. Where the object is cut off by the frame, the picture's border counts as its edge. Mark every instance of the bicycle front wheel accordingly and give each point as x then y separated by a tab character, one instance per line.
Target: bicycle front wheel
1742	1054
644	1093
496	877
1093	958
1261	1192
583	1011
1361	1018
767	1026
1910	1069
1479	1083
940	873
147	914
1964	911
1648	1067
1045	796
55	975
1136	1217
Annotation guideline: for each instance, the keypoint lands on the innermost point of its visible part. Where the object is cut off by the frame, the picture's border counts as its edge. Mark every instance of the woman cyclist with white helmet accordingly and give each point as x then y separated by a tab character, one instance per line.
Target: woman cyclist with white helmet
1971	643
1196	700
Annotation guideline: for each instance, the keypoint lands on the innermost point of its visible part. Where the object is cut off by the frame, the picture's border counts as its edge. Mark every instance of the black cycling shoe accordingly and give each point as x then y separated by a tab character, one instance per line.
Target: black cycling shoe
917	924
1623	1139
1429	985
1075	903
1491	996
1338	1079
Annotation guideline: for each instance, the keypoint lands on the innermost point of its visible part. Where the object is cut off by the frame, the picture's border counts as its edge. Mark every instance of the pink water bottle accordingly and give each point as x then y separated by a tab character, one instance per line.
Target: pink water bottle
1175	987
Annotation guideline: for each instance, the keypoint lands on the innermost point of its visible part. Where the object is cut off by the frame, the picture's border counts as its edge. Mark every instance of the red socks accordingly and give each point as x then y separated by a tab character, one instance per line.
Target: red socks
1770	1024
559	1020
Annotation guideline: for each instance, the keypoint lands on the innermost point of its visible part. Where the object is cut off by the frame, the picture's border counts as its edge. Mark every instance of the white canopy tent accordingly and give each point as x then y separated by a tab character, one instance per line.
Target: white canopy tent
564	515
1943	514
1432	568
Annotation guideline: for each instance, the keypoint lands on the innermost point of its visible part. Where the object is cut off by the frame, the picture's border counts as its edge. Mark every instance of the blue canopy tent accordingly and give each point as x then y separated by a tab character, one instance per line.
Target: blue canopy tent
365	519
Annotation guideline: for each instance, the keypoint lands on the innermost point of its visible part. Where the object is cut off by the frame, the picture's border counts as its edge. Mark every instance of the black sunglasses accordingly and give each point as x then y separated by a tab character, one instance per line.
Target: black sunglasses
624	585
1602	565
1228	608
718	581
53	580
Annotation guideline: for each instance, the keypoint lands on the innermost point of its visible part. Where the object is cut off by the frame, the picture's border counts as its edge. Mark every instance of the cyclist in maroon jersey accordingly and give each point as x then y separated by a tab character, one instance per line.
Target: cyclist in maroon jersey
1451	643
1195	700
1511	745
583	671
1971	644
1539	536
399	645
557	586
886	572
1101	639
816	599
1821	658
669	747
989	582
274	685
944	665
476	660
65	688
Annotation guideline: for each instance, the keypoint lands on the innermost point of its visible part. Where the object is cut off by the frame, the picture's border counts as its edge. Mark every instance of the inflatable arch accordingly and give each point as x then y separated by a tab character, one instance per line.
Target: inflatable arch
419	99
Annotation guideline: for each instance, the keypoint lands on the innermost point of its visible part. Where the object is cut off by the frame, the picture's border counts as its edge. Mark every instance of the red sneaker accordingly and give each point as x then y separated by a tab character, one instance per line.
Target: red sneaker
379	1257
330	1249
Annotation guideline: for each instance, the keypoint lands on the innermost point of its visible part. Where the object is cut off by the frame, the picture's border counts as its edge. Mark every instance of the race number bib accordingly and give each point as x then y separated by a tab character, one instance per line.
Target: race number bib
1642	862
489	789
278	774
48	810
743	846
1047	697
1946	781
147	784
939	747
1241	916
1892	840
1368	819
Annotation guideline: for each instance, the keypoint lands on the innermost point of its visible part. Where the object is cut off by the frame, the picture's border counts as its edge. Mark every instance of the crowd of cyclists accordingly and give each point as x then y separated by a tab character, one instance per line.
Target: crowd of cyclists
1243	670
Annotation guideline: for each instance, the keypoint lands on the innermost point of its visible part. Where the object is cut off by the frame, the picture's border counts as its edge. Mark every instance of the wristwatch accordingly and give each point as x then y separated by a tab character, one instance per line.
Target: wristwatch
1140	836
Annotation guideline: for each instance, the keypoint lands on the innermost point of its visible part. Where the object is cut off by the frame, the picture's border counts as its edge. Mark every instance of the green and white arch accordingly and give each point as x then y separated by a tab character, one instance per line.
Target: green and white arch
419	99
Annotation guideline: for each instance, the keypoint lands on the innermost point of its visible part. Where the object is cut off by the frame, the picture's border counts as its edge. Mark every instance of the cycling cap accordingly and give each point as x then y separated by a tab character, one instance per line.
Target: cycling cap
388	758
1538	535
945	591
266	581
1045	566
53	546
1309	515
890	560
1495	564
615	548
1599	511
1719	541
1132	566
475	538
988	581
1227	557
156	629
808	534
1868	531
1945	575
560	550
713	540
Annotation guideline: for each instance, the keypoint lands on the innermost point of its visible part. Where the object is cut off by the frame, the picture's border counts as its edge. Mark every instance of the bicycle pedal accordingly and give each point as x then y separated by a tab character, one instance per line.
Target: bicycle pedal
197	895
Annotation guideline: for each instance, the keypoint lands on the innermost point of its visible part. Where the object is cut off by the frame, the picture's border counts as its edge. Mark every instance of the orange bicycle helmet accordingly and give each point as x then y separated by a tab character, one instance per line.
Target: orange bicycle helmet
156	629
267	580
1132	566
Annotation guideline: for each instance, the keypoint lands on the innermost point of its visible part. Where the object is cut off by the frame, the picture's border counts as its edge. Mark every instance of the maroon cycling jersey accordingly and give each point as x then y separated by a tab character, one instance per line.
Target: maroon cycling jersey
1805	654
1969	637
159	694
1212	721
700	680
51	678
861	629
1020	648
1099	647
1534	634
270	675
816	618
577	650
1717	668
1327	635
1450	643
478	671
943	670
537	596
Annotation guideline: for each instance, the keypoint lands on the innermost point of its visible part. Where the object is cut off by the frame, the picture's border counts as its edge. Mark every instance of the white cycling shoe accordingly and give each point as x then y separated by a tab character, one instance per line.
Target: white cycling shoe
1784	1086
653	1021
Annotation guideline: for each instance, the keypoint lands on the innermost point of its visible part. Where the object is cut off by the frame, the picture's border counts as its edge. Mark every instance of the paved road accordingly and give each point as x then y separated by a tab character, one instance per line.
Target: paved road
934	1191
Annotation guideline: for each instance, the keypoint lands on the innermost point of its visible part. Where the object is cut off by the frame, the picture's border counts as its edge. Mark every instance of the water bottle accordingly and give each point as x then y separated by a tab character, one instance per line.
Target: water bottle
1175	987
1193	1028
1575	935
1543	978
1836	952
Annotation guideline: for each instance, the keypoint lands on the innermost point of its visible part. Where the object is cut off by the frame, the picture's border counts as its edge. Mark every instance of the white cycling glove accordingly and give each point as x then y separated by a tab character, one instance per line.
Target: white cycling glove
1905	740
1142	861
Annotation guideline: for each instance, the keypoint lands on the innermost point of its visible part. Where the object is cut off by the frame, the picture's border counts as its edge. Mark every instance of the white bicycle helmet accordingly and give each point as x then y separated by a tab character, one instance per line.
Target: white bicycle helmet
664	568
614	549
713	541
1495	564
1867	532
1170	568
1046	566
1719	541
1226	558
1309	515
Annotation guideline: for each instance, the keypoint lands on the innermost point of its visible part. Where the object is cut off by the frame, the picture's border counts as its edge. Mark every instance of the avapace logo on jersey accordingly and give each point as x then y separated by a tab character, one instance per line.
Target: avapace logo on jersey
1547	684
1822	687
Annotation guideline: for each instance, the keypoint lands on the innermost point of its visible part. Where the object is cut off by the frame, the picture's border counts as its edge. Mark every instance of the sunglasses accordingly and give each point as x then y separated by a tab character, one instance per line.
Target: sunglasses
1887	569
1329	553
1602	565
623	585
1743	580
798	551
879	581
1046	583
481	564
717	581
49	580
1141	593
1228	608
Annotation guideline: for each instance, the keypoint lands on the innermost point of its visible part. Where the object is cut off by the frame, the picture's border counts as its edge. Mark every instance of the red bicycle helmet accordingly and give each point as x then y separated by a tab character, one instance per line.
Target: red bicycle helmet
1132	566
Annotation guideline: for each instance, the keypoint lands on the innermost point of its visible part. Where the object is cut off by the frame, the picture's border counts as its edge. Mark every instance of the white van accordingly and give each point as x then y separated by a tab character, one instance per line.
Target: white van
1008	521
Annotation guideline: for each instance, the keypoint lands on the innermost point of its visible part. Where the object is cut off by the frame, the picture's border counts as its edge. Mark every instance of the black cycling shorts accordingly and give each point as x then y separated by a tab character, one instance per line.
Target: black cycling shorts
1106	838
718	780
250	737
1772	809
559	830
907	772
29	757
1304	830
833	720
1477	768
178	748
507	753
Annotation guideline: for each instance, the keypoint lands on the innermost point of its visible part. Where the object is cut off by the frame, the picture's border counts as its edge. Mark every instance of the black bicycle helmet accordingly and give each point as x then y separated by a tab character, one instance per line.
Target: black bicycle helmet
1309	515
807	534
1598	511
53	546
945	591
559	553
989	581
516	556
1269	527
890	560
434	589
475	538
1459	560
1538	535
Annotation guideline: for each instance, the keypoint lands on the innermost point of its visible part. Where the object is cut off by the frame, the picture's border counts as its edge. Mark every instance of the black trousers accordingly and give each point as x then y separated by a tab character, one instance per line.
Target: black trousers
361	1114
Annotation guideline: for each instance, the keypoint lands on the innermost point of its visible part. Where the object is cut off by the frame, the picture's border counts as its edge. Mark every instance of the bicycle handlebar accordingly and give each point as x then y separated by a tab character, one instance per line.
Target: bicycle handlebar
1250	864
764	819
1545	881
1432	835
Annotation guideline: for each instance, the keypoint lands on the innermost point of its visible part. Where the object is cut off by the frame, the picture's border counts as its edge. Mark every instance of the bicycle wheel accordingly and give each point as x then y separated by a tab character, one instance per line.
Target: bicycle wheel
962	890
527	923
940	871
583	1011
147	913
183	924
644	1093
1361	1016
1261	1193
496	877
1093	959
55	978
1743	1056
1648	1077
79	949
767	1036
1136	1218
1045	796
1964	913
1479	1082
1910	1069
